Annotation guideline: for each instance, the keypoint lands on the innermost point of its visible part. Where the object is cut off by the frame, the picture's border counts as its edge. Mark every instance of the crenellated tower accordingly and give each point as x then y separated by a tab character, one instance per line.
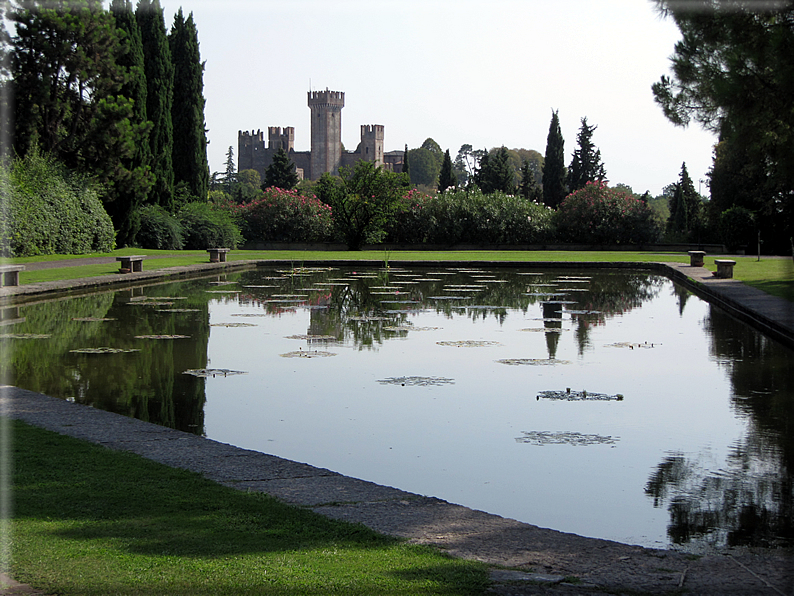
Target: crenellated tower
326	130
277	140
250	150
372	143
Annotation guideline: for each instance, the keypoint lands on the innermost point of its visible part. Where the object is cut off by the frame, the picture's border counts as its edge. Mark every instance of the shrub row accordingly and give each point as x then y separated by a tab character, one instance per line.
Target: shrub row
46	210
196	226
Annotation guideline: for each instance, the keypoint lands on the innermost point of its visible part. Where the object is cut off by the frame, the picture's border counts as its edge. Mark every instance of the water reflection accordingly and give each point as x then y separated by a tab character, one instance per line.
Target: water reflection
429	388
749	502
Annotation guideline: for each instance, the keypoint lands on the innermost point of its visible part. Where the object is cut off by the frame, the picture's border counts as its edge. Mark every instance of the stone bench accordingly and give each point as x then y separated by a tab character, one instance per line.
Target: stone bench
9	274
218	255
131	263
696	258
724	268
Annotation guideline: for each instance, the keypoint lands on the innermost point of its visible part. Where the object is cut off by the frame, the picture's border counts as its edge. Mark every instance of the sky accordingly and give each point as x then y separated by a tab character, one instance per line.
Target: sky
460	71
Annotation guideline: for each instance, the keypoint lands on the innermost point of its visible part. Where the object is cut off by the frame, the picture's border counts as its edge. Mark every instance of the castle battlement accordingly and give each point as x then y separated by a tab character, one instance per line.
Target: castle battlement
247	137
374	131
328	99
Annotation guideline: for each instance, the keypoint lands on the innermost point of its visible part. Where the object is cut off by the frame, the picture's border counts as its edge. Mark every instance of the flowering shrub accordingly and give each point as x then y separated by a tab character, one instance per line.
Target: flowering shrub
469	216
597	214
285	216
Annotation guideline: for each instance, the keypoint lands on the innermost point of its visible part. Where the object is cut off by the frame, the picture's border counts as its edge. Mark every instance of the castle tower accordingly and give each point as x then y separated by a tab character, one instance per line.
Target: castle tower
276	140
250	149
326	107
372	143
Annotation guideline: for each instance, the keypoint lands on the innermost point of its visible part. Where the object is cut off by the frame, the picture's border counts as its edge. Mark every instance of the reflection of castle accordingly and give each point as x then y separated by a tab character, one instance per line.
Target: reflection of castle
326	154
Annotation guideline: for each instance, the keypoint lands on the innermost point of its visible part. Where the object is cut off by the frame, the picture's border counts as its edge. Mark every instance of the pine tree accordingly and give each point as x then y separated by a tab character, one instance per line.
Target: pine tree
685	205
446	178
554	189
67	80
191	170
496	173
159	99
405	161
281	172
229	177
586	164
528	188
134	88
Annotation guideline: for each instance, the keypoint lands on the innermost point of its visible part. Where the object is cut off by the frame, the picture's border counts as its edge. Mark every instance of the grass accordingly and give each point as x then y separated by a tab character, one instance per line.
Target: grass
774	276
106	522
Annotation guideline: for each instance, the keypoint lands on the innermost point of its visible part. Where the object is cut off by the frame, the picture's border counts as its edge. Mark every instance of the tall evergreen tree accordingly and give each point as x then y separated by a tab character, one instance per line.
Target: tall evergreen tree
685	205
229	177
281	172
554	189
528	187
406	170
68	80
446	178
159	99
134	88
496	173
586	164
191	171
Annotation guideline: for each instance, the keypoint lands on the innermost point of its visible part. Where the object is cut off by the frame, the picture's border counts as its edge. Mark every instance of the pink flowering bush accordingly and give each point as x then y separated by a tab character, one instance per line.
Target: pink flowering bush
597	214
285	216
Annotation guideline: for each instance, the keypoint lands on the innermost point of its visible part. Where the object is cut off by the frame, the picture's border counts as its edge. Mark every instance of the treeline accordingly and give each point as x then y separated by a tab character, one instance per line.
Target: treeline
110	95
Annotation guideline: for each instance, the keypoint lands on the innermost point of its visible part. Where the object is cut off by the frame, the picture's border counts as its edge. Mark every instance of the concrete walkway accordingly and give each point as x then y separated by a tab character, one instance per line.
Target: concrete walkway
541	561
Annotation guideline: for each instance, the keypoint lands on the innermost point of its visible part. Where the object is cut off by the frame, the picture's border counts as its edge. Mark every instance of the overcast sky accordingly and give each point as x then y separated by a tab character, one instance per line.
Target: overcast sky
459	71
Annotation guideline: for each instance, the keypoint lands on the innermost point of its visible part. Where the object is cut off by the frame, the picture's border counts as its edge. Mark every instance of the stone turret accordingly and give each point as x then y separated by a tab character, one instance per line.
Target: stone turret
372	143
277	140
326	130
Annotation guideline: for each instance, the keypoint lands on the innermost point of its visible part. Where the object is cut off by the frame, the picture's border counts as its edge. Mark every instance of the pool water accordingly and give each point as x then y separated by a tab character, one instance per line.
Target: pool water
612	404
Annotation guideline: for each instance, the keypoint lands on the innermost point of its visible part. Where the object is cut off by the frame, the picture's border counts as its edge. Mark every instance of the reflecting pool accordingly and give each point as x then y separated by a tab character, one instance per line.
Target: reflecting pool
612	404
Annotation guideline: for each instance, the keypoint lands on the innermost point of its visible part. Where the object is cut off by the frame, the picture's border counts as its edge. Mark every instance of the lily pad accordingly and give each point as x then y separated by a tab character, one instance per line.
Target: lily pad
232	325
178	310
213	372
409	328
540	438
545	329
93	319
308	354
625	344
469	343
417	381
532	361
583	395
162	337
368	318
249	314
312	337
25	336
104	350
449	297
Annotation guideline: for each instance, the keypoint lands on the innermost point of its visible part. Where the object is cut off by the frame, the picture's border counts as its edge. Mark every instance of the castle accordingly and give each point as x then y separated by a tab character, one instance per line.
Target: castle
326	153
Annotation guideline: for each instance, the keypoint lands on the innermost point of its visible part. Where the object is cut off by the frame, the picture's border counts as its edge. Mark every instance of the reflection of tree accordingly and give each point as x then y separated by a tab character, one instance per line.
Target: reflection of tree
552	319
610	294
751	502
148	384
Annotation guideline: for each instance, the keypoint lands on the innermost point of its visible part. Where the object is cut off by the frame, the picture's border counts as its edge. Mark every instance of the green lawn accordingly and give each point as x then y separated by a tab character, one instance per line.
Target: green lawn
775	276
105	522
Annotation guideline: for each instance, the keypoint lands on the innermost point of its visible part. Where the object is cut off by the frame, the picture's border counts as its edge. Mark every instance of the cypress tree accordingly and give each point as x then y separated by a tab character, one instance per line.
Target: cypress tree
191	171
528	188
281	172
446	178
554	189
586	164
134	88
405	161
159	99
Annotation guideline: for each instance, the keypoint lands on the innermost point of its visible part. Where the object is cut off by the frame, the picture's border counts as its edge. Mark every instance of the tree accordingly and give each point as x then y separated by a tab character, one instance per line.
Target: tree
467	163
363	200
68	81
554	189
123	211
586	164
528	187
281	172
496	173
685	206
732	74
187	115
229	177
406	169
447	178
159	99
247	186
